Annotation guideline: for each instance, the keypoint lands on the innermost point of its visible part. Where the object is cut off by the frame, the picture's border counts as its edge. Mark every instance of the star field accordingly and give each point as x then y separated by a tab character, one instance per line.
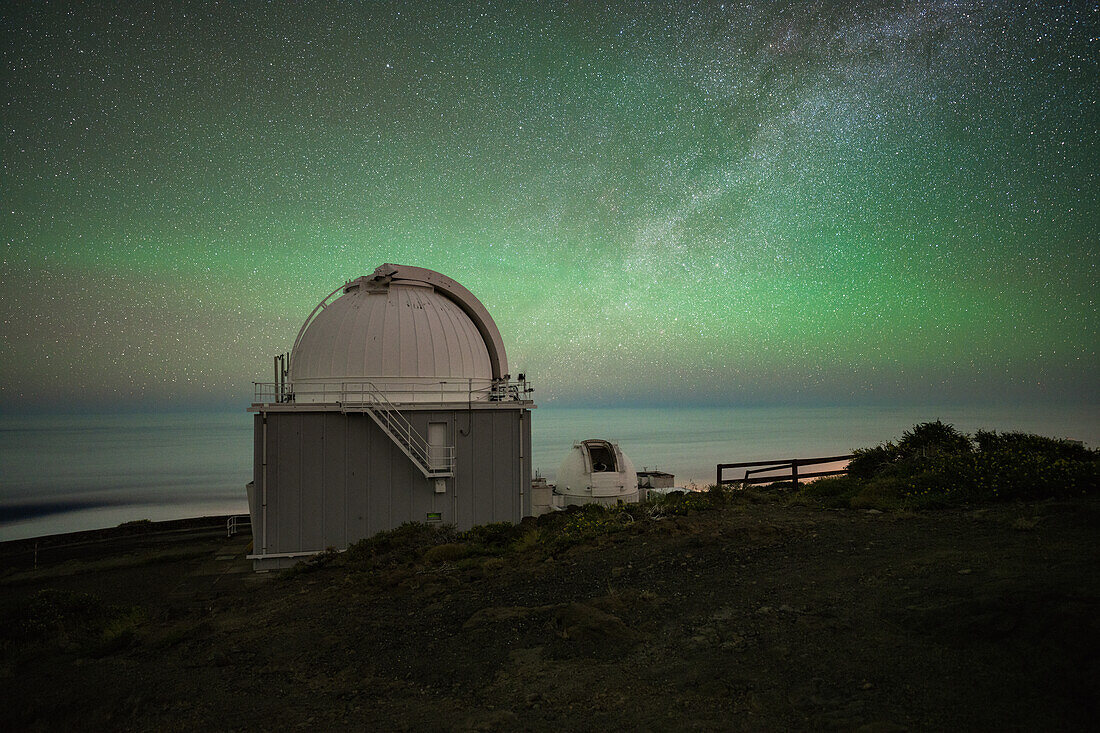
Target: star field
803	202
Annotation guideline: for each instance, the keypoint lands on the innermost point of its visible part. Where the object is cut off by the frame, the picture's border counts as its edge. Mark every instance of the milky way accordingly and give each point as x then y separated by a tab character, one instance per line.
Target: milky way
810	203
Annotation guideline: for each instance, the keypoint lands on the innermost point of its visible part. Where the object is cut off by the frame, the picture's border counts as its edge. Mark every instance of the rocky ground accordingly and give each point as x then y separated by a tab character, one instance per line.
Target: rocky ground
759	615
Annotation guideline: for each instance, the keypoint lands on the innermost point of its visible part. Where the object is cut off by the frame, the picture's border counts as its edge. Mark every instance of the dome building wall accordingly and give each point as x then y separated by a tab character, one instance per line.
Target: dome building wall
396	407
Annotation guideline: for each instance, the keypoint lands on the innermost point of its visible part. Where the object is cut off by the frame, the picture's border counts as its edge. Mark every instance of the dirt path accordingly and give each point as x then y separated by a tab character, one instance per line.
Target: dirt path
757	617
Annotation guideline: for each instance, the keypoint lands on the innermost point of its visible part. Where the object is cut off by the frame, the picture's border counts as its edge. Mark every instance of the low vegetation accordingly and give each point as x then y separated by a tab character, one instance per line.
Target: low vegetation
934	465
418	544
66	621
753	608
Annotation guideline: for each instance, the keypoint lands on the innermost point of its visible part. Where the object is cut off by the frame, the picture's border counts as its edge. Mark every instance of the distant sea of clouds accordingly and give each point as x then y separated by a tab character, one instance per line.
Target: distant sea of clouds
63	473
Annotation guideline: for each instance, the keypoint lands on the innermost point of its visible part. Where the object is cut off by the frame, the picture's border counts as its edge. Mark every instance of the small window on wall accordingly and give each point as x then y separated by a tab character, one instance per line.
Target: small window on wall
438	446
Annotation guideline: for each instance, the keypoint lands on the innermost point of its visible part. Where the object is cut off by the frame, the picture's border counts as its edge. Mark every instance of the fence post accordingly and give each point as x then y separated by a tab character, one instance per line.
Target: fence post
794	473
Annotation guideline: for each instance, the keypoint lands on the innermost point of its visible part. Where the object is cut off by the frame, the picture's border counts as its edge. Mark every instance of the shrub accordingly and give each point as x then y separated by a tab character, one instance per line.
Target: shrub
718	494
680	503
1051	448
1027	469
932	438
868	462
934	465
447	552
492	539
315	562
833	491
401	544
881	494
119	632
68	619
589	521
923	443
528	541
832	486
55	615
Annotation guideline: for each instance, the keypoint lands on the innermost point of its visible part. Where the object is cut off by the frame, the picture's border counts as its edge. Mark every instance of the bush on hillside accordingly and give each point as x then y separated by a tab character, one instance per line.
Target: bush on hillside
934	465
869	462
400	545
69	620
931	439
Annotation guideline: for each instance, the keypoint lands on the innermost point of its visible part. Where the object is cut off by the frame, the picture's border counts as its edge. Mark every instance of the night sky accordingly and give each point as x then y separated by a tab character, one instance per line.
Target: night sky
770	203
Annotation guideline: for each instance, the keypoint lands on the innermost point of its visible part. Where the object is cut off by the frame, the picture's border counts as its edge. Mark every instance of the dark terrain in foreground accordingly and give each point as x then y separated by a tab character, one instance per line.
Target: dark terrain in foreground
755	616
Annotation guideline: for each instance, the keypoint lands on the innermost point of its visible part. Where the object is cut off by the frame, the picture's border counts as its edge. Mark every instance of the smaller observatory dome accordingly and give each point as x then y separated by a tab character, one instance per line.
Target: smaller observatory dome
413	334
596	472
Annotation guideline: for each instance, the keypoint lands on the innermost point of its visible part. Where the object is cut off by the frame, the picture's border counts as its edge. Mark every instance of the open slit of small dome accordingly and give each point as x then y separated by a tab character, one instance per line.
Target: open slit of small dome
602	457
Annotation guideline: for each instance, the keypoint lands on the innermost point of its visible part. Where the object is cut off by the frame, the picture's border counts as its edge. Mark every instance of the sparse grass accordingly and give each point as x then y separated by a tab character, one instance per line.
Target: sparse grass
119	631
680	503
137	523
447	552
528	541
67	620
401	544
492	539
77	567
417	543
323	559
168	636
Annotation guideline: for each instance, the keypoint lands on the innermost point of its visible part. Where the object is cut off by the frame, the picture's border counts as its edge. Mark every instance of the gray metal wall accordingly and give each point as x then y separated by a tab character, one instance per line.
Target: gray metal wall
335	478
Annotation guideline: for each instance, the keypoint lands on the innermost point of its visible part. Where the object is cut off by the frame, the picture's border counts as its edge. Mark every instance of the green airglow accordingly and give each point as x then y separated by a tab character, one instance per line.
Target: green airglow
706	204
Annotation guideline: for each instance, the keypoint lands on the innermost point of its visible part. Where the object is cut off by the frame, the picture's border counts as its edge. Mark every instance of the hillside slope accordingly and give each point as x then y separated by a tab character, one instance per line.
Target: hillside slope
754	616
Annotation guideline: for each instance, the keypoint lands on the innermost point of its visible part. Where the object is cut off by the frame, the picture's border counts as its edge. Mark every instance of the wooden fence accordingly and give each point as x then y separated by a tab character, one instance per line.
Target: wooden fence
754	468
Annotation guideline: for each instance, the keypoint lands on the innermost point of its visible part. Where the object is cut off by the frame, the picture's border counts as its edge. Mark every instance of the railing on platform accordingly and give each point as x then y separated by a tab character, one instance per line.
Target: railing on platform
790	466
396	390
233	524
383	399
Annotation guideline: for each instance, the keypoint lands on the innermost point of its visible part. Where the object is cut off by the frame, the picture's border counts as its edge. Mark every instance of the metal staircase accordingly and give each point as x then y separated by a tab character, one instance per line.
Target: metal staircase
434	461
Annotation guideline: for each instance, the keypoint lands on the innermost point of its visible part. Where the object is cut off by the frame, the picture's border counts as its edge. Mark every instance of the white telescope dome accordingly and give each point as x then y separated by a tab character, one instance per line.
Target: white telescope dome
410	333
596	472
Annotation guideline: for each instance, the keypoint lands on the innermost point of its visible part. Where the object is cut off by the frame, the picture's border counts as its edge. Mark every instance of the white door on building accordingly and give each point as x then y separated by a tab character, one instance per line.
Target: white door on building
438	450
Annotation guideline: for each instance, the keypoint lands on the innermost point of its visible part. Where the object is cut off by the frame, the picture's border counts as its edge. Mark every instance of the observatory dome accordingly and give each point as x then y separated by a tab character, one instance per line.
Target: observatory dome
410	333
596	472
